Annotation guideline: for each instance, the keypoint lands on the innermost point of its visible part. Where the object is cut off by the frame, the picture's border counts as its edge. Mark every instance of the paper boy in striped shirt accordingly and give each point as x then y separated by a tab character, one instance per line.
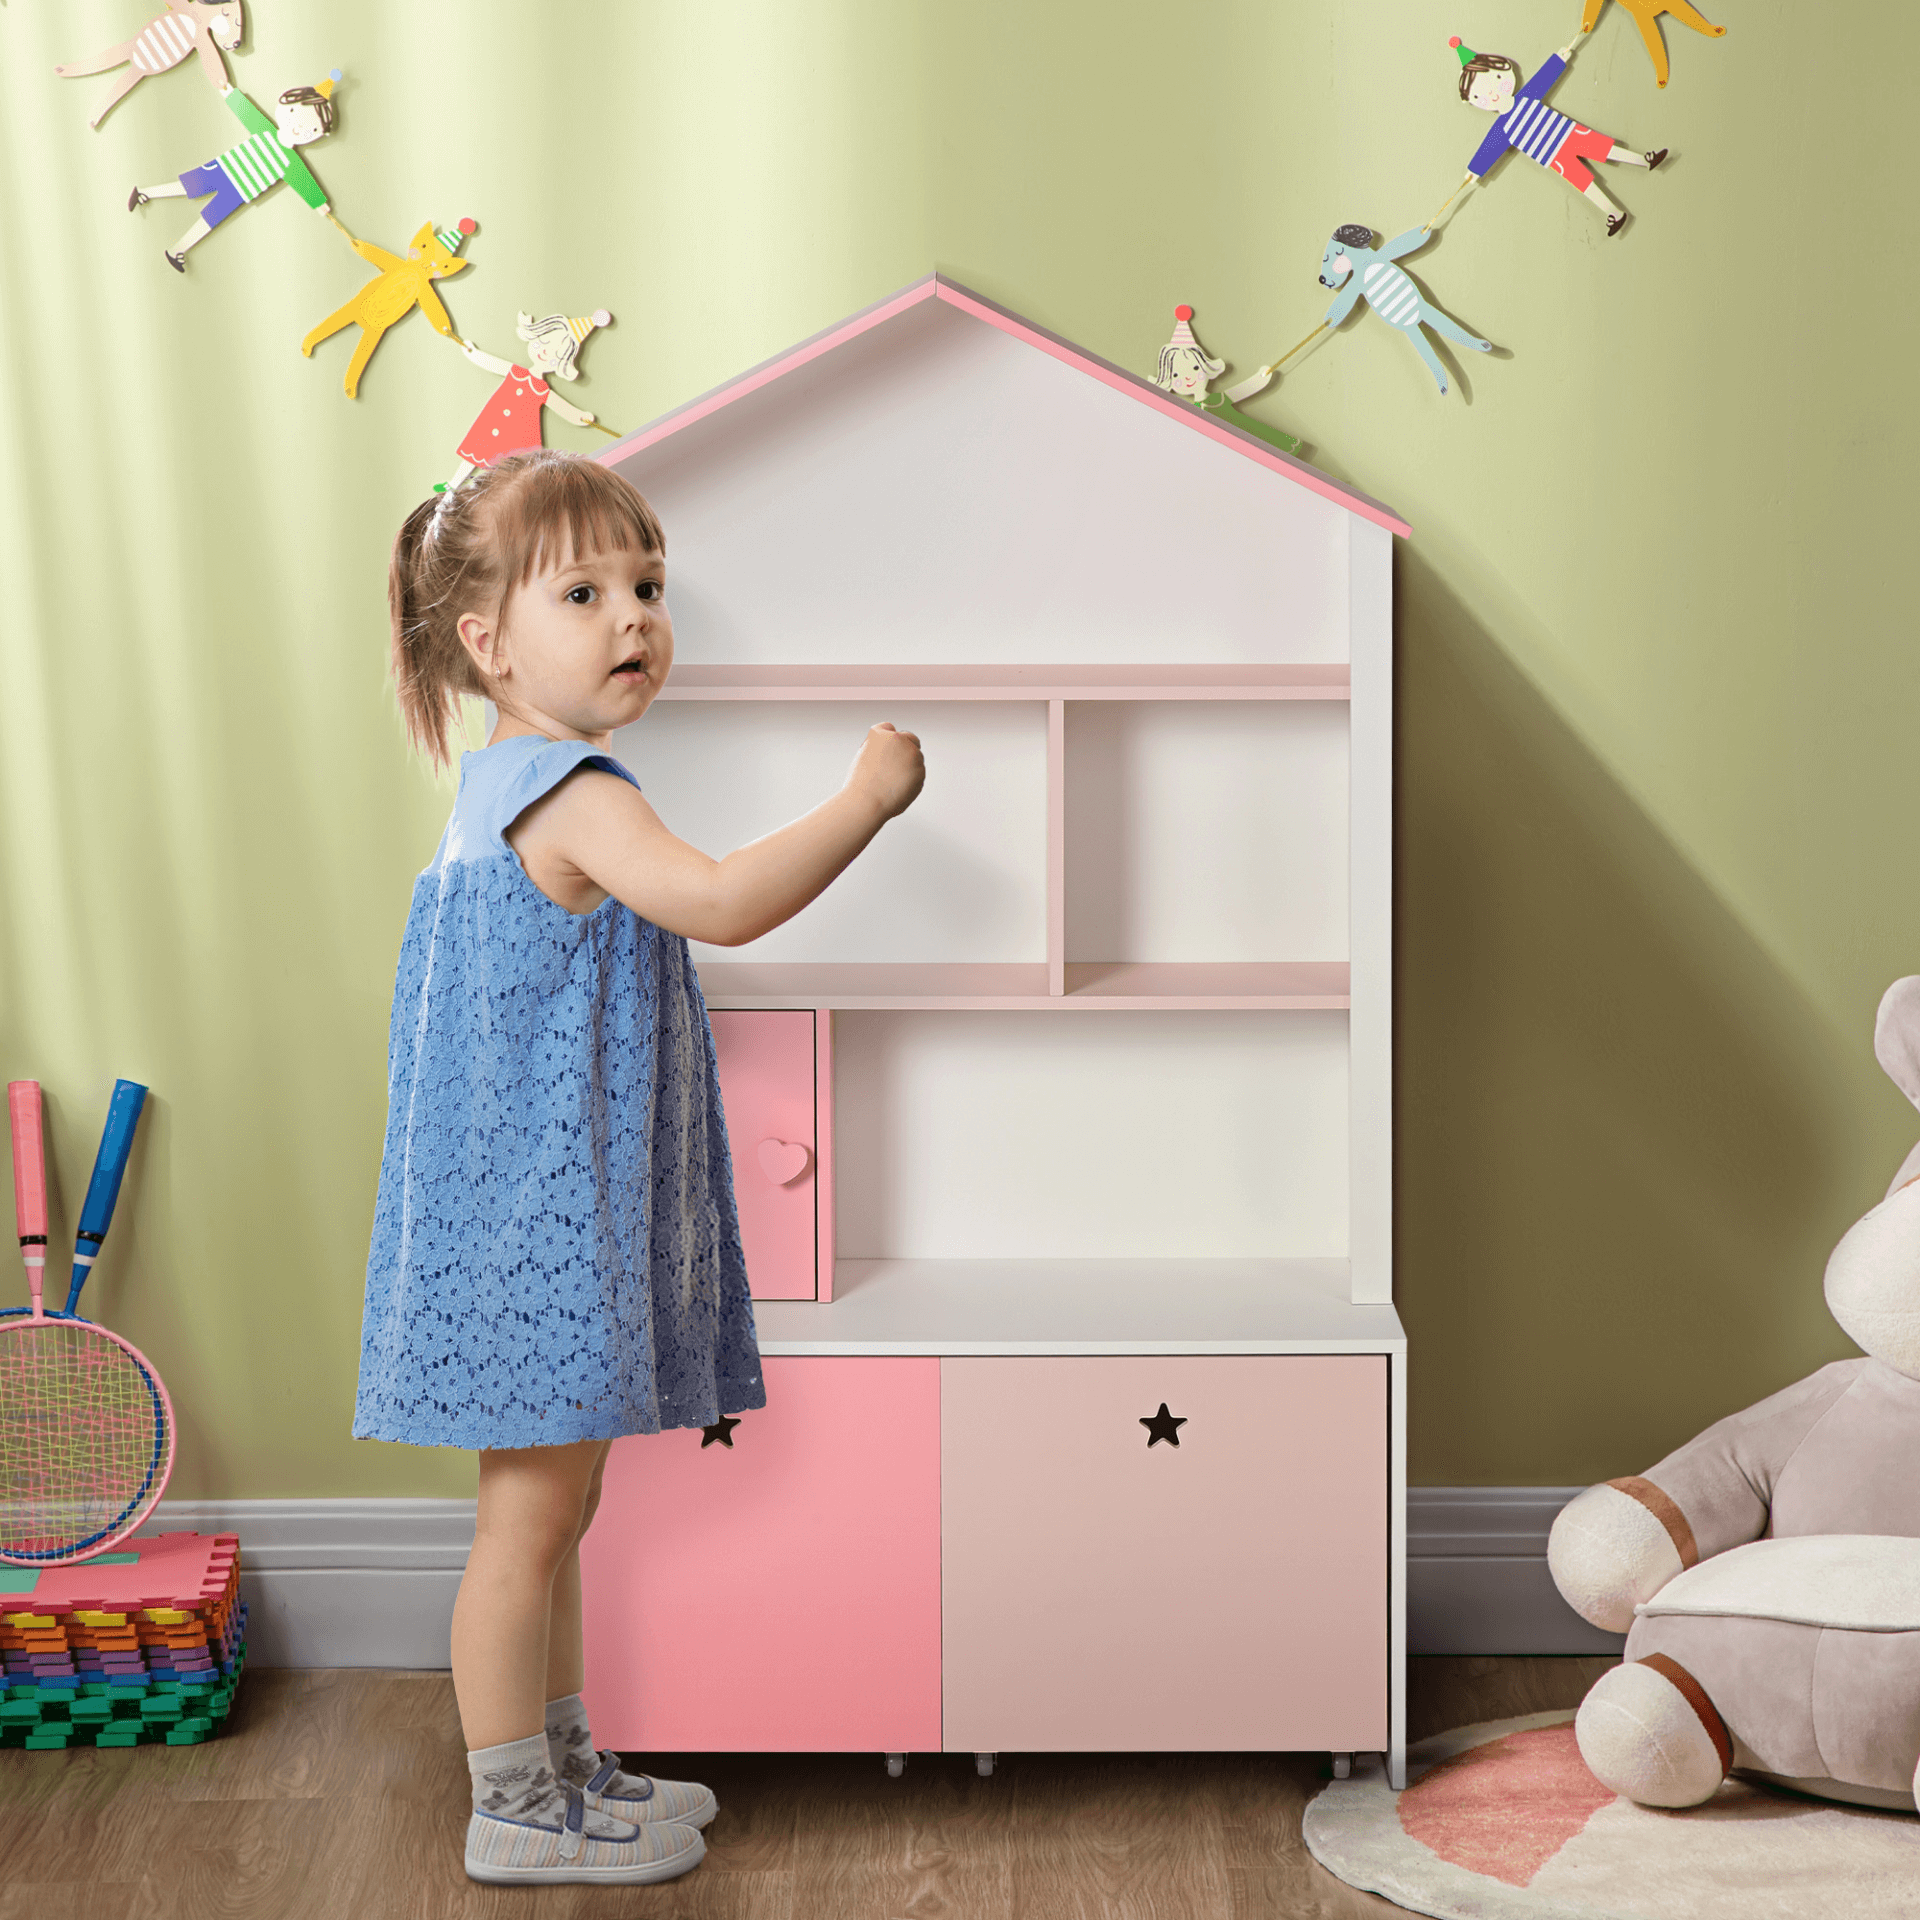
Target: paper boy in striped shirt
188	26
256	166
1491	82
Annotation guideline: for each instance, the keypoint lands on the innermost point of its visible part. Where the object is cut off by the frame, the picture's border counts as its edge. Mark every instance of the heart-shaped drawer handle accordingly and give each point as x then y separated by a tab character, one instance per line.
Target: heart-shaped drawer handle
784	1161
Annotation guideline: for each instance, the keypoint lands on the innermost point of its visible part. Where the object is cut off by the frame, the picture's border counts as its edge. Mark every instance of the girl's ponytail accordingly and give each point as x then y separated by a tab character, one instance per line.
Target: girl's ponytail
426	675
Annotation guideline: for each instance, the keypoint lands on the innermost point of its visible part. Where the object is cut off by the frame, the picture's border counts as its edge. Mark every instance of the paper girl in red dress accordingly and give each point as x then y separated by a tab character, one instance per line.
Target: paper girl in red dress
511	420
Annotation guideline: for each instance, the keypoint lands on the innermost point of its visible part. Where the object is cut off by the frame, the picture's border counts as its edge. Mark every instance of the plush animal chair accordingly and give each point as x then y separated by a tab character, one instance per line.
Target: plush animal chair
1767	1575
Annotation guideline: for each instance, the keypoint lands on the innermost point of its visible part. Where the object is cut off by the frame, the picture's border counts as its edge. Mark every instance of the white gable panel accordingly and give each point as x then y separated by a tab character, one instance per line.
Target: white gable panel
938	491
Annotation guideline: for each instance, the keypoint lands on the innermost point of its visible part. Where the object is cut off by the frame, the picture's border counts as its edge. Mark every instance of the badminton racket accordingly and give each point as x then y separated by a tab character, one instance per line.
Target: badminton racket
86	1428
103	1190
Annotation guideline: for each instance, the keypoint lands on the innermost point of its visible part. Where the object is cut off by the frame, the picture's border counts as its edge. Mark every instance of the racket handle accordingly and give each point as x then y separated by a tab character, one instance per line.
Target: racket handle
103	1190
29	1181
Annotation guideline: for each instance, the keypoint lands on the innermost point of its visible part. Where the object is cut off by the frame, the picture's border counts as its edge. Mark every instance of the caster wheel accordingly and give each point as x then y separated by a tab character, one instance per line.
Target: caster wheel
896	1765
1342	1766
983	1764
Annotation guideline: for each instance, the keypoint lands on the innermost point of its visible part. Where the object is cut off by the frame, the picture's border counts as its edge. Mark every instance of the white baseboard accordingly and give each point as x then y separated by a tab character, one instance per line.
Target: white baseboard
370	1583
340	1583
1477	1579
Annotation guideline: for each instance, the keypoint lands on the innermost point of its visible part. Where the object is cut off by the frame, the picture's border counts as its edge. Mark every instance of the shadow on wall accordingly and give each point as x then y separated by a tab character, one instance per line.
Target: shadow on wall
1626	1141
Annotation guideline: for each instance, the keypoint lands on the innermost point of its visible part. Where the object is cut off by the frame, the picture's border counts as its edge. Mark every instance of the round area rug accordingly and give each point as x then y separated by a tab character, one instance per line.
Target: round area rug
1503	1820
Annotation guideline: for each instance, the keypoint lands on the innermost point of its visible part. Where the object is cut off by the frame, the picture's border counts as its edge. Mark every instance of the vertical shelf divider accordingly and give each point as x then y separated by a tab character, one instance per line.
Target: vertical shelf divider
823	1201
1057	848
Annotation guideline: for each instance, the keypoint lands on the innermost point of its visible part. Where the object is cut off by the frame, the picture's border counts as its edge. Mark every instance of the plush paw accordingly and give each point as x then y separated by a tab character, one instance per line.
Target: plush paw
1607	1552
1648	1731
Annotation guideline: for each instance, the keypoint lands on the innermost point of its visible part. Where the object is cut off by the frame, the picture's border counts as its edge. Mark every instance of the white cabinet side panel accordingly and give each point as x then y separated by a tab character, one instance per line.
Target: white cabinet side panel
1146	1135
1371	909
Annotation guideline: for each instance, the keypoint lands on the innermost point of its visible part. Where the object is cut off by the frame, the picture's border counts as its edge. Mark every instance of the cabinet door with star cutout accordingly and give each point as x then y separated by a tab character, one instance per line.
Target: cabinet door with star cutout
1180	1552
772	1584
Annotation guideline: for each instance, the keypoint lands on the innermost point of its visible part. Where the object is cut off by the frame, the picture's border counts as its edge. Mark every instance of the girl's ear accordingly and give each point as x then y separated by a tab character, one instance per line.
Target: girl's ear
476	635
1896	1035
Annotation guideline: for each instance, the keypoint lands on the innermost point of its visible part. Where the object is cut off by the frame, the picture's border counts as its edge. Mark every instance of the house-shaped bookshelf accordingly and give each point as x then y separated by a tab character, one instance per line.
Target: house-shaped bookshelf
1073	1092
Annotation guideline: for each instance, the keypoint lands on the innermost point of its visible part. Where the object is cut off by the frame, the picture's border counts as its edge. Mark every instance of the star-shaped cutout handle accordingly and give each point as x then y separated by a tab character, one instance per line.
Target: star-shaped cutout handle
721	1430
1163	1426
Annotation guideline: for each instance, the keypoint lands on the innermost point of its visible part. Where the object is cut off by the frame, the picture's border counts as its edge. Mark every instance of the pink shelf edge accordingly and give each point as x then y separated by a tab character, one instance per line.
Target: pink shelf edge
1298	986
1054	684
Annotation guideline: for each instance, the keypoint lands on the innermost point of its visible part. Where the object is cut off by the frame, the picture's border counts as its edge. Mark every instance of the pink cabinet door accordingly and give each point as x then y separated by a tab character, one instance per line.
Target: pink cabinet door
766	1086
781	1594
1106	1591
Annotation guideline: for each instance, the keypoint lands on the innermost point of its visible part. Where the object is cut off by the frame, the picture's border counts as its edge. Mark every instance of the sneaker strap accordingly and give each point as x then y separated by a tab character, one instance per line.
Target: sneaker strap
608	1768
572	1827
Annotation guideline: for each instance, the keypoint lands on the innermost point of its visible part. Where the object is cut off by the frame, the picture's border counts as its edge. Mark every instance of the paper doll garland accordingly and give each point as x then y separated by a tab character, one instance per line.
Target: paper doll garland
1524	123
1646	16
511	422
1187	371
1362	271
253	167
209	28
399	286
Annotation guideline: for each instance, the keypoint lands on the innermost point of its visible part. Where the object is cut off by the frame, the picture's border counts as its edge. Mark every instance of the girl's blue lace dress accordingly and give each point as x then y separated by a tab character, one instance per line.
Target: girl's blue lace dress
556	1254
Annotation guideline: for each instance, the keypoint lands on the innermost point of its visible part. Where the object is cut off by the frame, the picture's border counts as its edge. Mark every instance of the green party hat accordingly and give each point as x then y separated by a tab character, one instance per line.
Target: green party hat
1466	53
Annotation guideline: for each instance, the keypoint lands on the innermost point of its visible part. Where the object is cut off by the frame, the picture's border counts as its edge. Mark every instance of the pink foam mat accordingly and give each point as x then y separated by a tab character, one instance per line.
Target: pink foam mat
187	1571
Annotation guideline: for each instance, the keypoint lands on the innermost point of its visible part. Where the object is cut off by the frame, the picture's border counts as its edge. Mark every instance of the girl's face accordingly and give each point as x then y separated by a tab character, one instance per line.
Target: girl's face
546	351
587	645
1187	376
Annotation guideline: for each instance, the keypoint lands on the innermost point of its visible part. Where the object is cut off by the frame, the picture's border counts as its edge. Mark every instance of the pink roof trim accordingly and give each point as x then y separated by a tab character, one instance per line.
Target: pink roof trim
934	287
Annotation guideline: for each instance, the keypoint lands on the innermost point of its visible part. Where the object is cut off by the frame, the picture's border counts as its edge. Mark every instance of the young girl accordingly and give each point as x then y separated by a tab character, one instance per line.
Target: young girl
556	1256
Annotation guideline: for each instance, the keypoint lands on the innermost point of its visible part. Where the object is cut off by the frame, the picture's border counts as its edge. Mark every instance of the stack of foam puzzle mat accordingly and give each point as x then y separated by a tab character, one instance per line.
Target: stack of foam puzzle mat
144	1644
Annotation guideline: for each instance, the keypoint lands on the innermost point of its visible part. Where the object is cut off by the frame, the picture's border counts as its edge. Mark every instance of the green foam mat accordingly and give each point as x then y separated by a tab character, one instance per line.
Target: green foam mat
56	1718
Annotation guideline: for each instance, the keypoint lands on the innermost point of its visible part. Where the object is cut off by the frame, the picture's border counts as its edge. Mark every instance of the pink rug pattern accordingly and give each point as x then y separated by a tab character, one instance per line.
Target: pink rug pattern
1503	1820
1506	1808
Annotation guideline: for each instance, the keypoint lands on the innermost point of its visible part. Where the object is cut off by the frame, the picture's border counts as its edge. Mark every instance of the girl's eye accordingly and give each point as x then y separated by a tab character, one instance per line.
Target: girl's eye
580	596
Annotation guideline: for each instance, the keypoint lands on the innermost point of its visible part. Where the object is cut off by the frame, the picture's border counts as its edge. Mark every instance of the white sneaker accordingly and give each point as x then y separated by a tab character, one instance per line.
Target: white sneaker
514	1853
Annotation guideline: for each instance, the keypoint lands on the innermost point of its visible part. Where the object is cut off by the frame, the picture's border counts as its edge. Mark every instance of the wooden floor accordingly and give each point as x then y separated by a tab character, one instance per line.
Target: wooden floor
343	1796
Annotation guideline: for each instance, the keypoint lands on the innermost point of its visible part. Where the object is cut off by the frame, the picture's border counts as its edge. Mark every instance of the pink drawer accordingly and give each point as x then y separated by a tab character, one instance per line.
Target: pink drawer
781	1594
766	1065
1105	1592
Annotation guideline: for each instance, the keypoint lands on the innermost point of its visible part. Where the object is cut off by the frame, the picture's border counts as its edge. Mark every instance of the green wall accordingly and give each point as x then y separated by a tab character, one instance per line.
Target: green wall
1657	783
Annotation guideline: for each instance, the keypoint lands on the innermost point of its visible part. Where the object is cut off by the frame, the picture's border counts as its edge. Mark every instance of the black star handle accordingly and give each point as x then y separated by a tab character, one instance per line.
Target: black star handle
1163	1426
721	1430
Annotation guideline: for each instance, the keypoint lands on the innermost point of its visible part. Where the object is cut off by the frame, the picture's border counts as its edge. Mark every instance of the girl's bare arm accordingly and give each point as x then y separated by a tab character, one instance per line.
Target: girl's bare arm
595	835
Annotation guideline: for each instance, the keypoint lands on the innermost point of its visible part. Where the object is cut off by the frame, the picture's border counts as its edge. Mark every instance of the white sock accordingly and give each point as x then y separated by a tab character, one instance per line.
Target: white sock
572	1754
515	1781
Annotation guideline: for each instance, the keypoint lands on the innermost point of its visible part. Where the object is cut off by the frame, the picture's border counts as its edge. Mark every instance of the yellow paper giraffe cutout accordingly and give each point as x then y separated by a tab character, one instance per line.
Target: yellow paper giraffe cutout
1646	16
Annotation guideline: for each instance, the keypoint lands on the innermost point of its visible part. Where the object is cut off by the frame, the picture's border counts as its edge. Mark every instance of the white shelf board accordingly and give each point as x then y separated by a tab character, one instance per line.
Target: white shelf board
1099	986
1081	1306
1013	681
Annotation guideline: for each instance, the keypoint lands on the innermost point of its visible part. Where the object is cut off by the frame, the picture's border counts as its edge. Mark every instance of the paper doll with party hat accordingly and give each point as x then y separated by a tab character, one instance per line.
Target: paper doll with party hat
1187	371
432	254
256	166
511	420
1524	123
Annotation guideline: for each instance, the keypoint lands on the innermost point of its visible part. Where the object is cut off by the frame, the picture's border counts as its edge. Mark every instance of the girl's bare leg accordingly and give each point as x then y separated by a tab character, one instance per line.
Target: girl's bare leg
528	1526
566	1656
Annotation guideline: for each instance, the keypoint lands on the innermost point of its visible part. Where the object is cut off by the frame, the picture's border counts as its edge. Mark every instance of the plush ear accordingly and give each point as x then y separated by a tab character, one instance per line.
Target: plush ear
1896	1035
